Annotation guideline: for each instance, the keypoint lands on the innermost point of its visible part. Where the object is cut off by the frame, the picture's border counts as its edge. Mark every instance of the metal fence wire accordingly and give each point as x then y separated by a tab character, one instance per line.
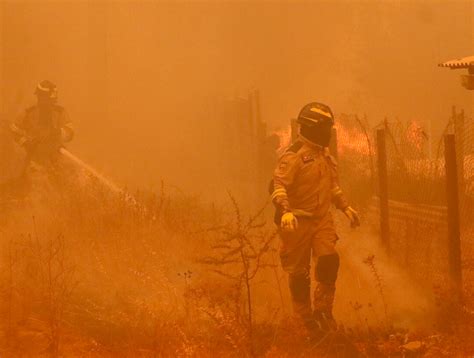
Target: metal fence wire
416	186
356	159
418	236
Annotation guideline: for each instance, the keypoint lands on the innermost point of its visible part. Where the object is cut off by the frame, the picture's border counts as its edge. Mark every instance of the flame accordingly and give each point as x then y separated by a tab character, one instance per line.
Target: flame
351	140
284	135
416	135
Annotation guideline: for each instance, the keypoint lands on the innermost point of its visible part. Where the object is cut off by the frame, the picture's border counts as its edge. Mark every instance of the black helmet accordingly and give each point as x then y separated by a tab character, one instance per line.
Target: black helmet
47	88
315	113
316	121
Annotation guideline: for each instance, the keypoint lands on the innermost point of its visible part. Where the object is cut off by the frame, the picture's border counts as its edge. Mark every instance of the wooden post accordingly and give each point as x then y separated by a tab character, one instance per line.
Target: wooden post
383	189
452	196
459	132
333	144
295	130
261	134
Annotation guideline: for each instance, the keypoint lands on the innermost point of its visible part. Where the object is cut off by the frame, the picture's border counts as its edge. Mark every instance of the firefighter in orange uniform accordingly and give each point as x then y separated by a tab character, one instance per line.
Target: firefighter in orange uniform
45	127
305	184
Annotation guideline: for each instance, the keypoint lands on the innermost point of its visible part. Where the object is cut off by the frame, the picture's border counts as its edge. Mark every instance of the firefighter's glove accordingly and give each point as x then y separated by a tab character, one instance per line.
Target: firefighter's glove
289	222
27	142
24	141
353	216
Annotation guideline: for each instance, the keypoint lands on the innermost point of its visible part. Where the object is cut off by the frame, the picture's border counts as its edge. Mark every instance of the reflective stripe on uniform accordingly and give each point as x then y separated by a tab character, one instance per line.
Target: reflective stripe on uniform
279	192
336	191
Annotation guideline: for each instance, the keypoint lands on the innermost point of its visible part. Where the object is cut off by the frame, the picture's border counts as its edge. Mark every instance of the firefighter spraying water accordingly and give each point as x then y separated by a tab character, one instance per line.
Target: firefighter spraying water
44	128
42	132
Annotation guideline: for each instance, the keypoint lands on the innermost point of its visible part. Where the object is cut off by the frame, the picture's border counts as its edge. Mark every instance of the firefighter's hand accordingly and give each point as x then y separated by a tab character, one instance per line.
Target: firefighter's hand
24	141
353	216
289	222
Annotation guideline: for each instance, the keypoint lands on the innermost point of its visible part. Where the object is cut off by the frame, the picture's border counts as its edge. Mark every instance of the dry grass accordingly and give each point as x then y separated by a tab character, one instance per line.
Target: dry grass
84	273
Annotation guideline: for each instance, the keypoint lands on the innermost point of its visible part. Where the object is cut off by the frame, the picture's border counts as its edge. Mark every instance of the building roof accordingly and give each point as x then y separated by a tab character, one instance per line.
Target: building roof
465	62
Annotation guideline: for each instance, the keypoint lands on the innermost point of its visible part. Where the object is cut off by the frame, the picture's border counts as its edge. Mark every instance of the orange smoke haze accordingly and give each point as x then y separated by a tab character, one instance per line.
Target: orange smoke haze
194	100
141	79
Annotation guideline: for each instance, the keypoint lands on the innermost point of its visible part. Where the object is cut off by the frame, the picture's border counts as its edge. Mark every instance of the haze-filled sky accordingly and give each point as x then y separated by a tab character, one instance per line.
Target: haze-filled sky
141	80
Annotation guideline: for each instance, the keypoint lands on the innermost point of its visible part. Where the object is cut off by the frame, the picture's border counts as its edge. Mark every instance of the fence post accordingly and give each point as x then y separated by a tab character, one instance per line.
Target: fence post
333	144
261	135
383	189
294	130
459	132
452	196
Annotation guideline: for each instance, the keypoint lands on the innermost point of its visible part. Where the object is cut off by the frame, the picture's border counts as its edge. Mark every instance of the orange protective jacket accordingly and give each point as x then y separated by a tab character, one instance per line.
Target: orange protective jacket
29	126
305	181
43	137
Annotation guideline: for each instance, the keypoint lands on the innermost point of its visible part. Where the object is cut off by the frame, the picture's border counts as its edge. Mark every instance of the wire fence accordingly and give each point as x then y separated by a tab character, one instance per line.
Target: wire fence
356	159
418	235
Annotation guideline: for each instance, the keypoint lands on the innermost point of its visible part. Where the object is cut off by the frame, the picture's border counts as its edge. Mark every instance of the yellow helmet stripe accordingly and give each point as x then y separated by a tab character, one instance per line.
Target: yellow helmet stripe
322	112
41	88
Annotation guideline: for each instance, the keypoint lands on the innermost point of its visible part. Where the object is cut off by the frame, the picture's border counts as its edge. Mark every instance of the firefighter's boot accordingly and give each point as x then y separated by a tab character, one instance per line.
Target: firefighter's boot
327	268
323	304
301	298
